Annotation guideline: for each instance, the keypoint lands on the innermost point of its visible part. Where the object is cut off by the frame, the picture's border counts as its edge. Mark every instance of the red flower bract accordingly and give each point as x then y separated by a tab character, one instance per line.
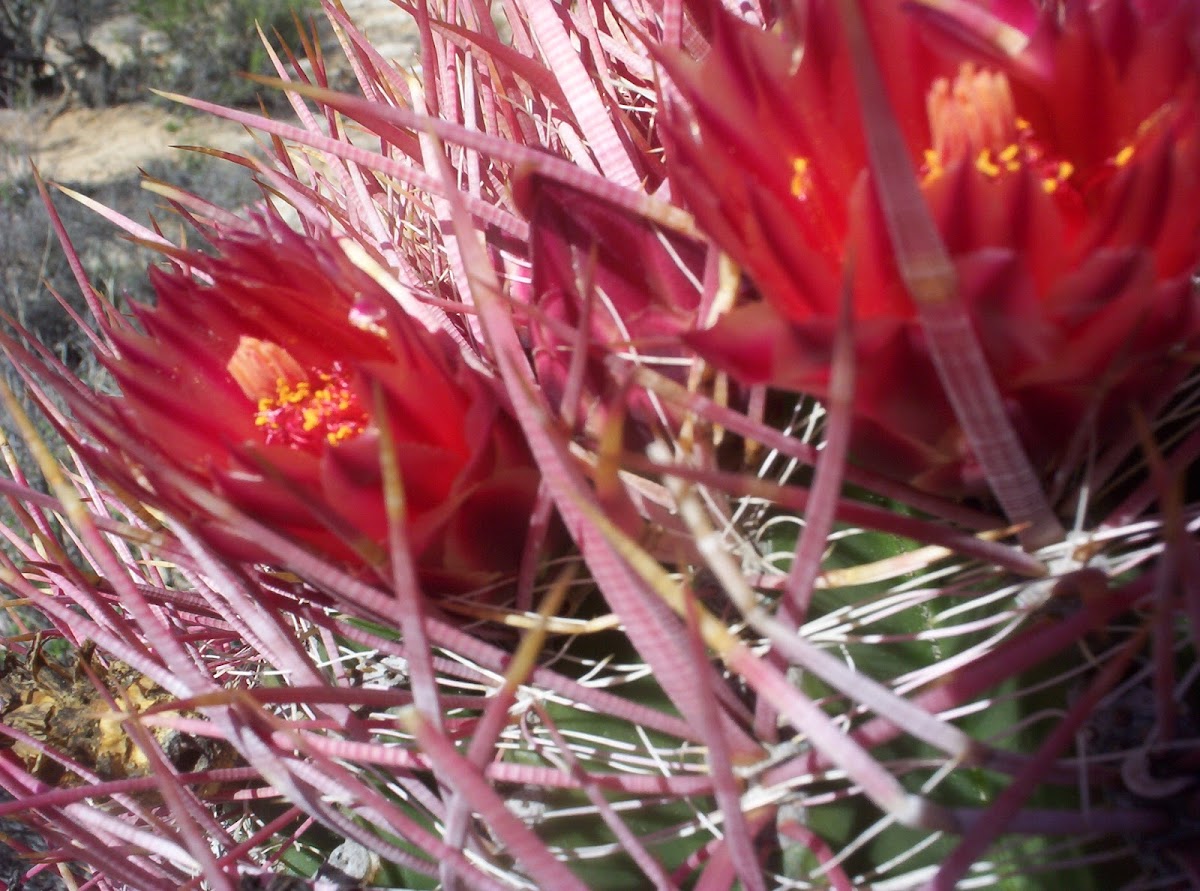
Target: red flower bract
642	294
1062	167
265	372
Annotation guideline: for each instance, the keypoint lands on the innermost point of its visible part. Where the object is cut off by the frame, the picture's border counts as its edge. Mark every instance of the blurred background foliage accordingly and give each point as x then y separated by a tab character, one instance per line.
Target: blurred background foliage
100	52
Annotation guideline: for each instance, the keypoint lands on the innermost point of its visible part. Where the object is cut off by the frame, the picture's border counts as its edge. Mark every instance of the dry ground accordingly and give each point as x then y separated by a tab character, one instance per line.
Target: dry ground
101	152
87	146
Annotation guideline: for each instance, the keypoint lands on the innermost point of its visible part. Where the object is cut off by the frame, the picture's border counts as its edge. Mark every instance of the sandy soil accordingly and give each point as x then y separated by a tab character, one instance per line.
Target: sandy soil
91	146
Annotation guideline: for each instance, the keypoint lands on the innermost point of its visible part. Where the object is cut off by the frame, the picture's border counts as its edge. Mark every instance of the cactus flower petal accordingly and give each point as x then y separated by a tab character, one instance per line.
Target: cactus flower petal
256	375
1061	164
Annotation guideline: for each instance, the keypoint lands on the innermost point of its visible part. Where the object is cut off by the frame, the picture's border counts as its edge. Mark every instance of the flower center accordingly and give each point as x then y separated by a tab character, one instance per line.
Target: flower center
974	117
294	407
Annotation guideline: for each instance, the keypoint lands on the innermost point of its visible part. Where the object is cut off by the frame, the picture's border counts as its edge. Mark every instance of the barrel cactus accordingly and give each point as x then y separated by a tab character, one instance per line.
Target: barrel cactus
647	445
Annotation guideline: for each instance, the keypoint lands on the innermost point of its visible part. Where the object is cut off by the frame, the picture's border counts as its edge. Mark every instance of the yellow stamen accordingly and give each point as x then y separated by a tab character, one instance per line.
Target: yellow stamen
1062	173
932	168
973	113
974	118
801	178
293	407
985	165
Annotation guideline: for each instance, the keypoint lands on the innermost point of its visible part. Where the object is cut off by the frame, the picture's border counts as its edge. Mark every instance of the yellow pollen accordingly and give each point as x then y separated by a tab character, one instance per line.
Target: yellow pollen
293	407
1124	156
1062	173
974	118
291	394
985	165
801	178
932	168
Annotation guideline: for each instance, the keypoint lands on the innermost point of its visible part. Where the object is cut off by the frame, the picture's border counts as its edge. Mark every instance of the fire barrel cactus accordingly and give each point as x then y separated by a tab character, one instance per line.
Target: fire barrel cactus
646	445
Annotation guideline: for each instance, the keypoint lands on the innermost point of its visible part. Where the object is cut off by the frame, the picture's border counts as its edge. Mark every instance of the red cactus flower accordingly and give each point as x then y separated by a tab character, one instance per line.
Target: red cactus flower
1061	165
266	371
